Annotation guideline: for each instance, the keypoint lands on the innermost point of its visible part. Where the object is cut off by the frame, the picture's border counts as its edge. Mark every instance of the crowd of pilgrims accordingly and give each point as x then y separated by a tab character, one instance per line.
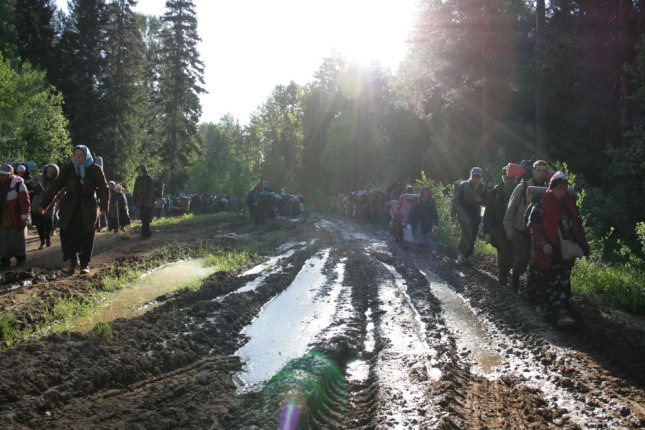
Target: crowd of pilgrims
533	223
542	233
169	205
76	198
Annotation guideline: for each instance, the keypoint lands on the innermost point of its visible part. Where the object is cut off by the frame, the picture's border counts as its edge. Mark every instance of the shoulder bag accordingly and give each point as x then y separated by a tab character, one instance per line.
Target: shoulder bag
569	249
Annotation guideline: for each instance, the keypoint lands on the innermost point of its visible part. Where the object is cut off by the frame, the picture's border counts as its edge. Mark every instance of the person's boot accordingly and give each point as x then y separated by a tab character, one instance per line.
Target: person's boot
85	266
5	263
515	282
21	260
73	264
48	242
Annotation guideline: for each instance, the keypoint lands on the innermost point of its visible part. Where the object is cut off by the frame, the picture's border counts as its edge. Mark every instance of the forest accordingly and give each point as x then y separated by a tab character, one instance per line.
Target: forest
485	82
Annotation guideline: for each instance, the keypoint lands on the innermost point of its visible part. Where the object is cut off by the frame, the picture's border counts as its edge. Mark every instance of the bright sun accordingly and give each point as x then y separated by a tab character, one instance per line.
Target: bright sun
368	31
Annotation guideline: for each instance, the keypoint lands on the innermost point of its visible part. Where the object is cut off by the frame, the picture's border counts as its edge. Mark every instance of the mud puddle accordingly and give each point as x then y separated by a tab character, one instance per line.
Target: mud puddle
288	324
141	295
463	324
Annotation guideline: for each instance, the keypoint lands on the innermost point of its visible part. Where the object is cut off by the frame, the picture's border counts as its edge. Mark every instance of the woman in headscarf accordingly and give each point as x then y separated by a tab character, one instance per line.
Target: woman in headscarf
401	210
14	216
554	218
44	222
119	212
84	181
423	218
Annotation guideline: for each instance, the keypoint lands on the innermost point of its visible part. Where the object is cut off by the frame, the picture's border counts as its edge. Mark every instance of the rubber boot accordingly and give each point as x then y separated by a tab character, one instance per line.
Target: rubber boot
73	264
515	282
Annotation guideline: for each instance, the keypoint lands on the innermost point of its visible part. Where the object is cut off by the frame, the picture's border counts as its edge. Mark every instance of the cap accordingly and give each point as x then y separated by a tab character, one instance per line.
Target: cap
112	183
20	168
408	186
118	187
477	171
6	169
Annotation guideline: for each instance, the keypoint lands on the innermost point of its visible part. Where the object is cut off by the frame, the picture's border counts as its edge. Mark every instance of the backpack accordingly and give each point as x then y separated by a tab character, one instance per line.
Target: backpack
158	187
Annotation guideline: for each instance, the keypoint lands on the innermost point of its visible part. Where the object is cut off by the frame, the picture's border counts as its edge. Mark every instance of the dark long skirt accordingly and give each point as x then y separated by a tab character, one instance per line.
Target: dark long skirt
550	289
75	241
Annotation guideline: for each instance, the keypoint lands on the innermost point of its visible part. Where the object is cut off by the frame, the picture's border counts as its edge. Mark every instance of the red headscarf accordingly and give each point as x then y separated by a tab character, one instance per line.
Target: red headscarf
551	215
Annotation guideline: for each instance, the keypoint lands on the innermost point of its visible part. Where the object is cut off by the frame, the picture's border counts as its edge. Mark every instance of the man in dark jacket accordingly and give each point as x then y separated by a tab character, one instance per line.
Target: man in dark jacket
144	195
466	208
496	205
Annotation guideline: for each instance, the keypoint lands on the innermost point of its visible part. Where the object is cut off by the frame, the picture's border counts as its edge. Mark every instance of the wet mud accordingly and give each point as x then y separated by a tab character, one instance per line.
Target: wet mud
338	328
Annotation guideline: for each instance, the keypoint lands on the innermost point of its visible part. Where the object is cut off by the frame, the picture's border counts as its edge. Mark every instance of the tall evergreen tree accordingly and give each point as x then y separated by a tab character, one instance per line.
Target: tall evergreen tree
81	66
34	21
180	85
122	90
150	27
8	32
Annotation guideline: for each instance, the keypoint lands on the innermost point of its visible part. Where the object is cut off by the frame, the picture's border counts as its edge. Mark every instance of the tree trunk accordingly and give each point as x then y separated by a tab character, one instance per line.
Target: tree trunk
627	55
487	91
540	90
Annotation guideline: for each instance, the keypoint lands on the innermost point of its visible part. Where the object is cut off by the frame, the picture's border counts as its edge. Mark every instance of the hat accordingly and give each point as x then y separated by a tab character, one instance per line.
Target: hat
20	168
6	169
111	183
408	186
118	187
477	171
557	179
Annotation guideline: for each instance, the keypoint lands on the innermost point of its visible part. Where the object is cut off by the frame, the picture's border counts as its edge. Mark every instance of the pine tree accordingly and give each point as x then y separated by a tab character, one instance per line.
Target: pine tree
34	21
122	91
8	32
179	88
81	67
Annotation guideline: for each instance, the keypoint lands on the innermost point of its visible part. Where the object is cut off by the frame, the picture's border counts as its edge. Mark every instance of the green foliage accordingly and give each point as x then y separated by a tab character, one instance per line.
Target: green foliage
618	284
32	125
180	84
220	168
104	329
80	69
448	231
123	97
7	331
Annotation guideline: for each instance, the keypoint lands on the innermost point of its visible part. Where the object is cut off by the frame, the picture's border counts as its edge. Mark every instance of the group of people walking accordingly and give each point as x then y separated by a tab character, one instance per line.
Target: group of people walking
84	195
525	233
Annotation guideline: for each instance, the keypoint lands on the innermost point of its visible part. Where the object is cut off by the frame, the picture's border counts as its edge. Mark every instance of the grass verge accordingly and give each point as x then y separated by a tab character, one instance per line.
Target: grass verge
54	313
621	285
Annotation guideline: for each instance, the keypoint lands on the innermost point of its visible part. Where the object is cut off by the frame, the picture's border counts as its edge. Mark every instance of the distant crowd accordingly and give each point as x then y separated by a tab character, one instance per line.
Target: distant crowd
530	217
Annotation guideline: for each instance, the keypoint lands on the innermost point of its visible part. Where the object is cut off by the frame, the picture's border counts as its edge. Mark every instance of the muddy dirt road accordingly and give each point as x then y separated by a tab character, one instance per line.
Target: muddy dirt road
338	328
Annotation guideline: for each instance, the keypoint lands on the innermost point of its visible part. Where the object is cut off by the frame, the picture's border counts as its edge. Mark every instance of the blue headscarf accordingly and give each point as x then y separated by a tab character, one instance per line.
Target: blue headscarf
88	159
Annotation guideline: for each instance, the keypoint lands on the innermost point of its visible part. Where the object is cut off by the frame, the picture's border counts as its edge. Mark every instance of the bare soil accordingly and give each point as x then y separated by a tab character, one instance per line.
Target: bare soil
176	365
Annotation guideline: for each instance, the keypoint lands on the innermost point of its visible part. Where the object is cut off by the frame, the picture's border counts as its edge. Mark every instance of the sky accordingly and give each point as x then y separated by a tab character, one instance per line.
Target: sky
250	46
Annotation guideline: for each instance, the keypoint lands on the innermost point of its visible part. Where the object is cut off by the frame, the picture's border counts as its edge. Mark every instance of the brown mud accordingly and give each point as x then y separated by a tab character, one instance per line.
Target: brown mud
387	358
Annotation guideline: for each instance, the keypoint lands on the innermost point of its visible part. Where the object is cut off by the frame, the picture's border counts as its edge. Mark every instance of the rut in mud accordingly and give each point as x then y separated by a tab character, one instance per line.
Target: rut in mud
341	328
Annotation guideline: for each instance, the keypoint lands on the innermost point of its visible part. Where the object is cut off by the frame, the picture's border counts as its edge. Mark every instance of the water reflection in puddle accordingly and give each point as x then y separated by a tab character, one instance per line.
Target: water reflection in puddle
138	297
288	324
462	322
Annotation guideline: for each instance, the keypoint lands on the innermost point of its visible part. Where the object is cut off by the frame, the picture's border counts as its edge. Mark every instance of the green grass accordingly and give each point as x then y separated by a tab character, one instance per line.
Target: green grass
622	285
187	219
59	316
